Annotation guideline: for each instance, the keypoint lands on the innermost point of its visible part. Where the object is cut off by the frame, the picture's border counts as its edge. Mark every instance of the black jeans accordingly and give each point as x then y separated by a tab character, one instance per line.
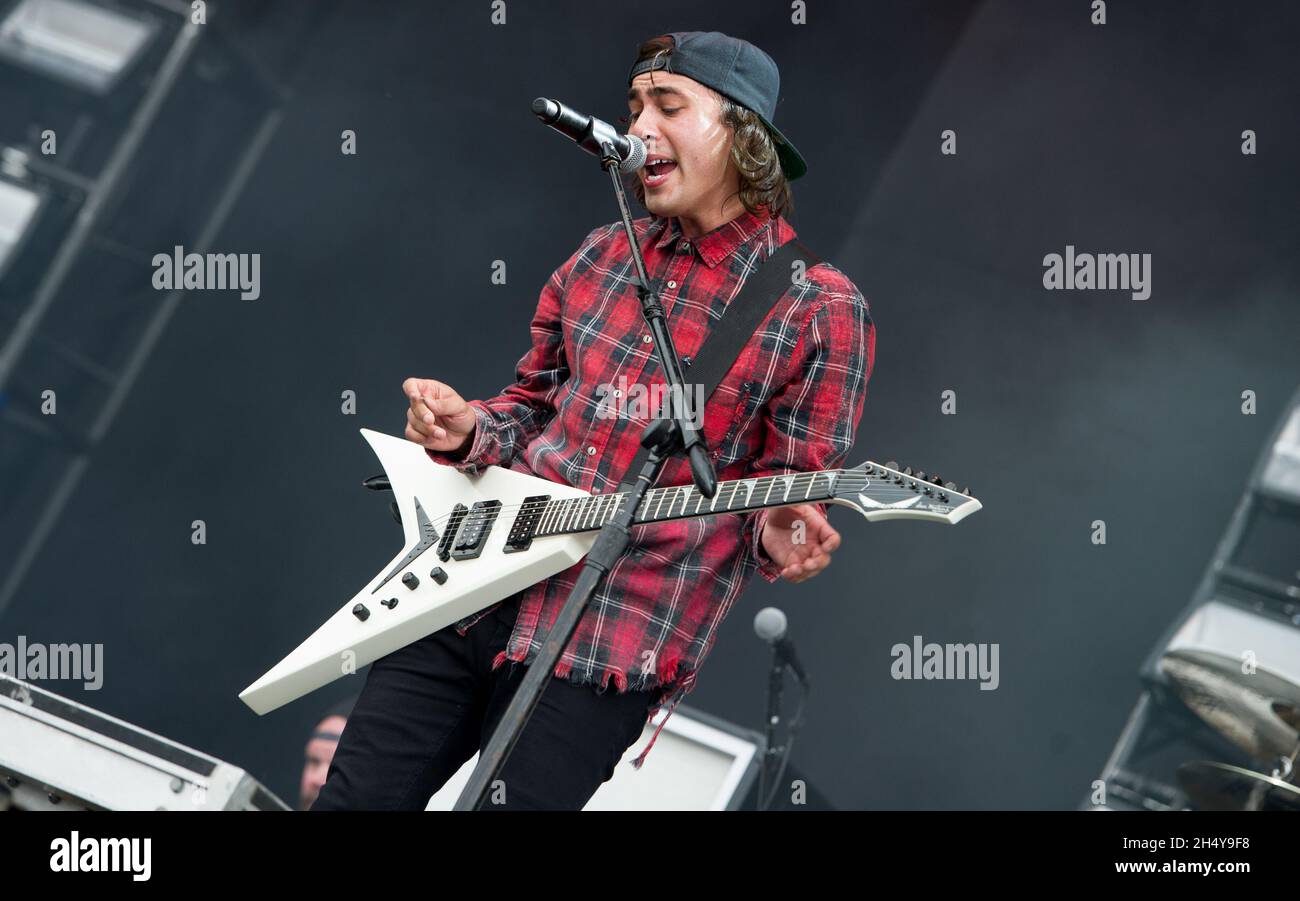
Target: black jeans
426	708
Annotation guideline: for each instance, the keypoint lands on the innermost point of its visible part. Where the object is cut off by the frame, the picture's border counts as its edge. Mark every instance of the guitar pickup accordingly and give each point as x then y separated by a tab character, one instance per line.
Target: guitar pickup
525	526
474	530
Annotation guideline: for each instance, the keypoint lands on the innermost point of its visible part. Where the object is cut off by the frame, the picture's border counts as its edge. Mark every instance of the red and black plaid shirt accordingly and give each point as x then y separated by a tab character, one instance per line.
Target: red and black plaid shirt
791	404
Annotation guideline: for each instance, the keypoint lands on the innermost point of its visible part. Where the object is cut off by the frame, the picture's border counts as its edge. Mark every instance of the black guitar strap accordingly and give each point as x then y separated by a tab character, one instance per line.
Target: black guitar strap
740	320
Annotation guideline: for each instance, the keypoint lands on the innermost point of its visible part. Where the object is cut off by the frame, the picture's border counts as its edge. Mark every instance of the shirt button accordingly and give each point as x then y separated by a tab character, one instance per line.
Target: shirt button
684	247
590	451
646	338
672	284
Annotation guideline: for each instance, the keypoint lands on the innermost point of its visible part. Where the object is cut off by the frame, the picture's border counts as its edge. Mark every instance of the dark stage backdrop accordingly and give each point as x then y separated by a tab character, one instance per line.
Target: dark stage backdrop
1071	407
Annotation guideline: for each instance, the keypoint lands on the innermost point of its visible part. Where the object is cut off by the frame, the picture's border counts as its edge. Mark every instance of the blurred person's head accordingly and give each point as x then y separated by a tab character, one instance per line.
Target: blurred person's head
319	752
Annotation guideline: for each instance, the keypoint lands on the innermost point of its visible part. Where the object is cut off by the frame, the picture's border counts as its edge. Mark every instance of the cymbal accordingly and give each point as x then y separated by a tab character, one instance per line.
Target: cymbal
1221	786
1241	706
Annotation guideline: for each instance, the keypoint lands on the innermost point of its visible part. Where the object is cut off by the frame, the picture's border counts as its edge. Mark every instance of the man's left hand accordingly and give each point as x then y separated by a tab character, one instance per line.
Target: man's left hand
802	551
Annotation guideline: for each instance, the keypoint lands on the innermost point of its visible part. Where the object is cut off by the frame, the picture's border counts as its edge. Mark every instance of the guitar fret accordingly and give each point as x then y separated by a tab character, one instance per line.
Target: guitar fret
722	495
749	493
579	514
718	496
662	493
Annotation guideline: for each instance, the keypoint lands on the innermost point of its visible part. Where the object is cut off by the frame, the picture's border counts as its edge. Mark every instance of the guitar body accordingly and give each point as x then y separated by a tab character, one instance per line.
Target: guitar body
346	642
471	541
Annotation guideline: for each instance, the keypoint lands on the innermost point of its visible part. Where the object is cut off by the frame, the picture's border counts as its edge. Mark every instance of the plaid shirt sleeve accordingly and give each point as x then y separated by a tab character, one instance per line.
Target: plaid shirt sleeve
510	420
812	420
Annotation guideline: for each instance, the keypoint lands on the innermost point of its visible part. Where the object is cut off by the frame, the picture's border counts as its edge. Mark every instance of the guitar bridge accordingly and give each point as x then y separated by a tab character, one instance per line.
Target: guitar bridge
453	525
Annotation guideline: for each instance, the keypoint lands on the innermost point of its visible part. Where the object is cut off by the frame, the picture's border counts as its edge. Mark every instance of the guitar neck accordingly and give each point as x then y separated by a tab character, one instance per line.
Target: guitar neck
587	514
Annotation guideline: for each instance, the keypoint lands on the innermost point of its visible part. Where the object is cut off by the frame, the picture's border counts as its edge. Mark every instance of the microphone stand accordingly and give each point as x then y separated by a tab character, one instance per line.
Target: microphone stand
775	688
676	433
768	782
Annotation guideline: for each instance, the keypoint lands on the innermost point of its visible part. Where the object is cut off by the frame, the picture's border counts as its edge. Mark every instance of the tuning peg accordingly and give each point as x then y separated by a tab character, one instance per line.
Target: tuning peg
966	491
937	479
951	486
892	464
920	474
908	471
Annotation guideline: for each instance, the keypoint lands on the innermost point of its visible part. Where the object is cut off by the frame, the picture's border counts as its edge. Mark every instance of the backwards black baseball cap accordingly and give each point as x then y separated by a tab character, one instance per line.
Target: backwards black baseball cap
737	70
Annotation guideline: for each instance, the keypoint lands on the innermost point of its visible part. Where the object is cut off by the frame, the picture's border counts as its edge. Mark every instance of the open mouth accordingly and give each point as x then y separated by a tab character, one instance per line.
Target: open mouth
657	170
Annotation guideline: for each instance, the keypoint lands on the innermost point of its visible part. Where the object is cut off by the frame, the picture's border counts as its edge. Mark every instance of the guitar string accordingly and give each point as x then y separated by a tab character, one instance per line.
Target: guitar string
850	479
847	480
541	505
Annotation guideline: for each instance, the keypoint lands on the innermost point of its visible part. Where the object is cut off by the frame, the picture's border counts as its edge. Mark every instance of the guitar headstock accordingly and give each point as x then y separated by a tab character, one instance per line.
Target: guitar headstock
887	492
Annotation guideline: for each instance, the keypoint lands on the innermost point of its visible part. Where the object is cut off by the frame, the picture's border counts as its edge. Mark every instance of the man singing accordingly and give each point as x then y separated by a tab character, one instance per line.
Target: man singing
716	184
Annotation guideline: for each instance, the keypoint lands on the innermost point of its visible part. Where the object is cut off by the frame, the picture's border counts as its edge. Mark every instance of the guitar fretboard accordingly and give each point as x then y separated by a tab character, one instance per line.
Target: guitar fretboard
585	514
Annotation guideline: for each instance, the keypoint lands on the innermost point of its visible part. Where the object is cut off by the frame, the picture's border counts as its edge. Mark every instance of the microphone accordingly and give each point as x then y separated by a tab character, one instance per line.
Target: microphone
770	625
590	133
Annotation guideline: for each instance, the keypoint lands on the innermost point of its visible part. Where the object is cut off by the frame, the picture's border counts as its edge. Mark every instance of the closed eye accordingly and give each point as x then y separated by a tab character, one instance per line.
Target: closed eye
626	120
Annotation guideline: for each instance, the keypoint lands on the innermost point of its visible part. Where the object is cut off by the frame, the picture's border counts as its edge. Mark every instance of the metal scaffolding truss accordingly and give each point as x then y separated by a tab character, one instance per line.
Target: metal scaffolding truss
76	312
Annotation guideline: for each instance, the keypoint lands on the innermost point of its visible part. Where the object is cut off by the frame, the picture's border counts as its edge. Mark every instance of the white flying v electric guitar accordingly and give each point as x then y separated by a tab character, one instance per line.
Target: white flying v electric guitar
474	540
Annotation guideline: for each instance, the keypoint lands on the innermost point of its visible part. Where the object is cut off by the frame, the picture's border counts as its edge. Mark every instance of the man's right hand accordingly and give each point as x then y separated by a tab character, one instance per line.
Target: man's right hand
437	417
